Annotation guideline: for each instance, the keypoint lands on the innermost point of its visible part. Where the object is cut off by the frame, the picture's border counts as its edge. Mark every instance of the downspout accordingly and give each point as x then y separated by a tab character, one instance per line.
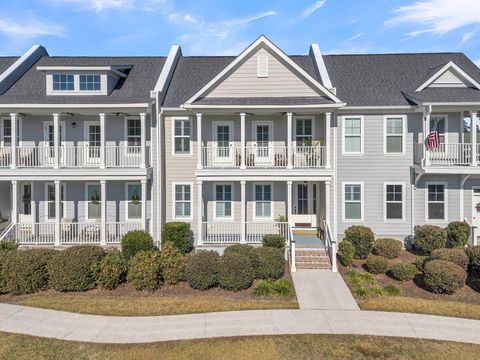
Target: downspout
159	170
334	182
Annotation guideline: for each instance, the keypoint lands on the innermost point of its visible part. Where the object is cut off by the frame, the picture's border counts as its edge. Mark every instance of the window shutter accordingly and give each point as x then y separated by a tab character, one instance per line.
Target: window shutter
262	66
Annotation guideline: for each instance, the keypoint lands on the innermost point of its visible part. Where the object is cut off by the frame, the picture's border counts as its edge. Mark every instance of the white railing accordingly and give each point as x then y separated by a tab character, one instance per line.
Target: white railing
80	233
473	233
292	246
36	156
30	234
123	156
267	157
257	230
449	155
309	157
7	233
116	230
5	156
331	245
216	157
221	232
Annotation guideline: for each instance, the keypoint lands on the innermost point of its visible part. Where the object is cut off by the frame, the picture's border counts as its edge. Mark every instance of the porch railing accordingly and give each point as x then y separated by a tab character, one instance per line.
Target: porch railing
80	233
116	230
454	154
257	230
35	156
5	156
331	245
309	157
31	234
231	232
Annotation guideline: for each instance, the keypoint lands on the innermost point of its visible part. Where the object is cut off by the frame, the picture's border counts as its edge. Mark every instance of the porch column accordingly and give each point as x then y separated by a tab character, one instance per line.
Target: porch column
426	124
14	132
199	141
242	141
58	197
102	140
243	235
289	140
289	201
144	204
103	211
327	202
473	133
328	117
143	140
199	212
14	201
56	140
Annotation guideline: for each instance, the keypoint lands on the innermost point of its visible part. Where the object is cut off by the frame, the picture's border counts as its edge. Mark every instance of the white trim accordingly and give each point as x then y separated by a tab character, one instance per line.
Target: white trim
446	125
440	72
262	66
472	203
276	108
362	135
20	209
402	184
269	123
167	69
172	126
214	187
445	202
87	200
300	117
322	69
63	131
230	123
254	202
79	106
362	201
19	130
127	200
64	201
189	183
404	134
21	60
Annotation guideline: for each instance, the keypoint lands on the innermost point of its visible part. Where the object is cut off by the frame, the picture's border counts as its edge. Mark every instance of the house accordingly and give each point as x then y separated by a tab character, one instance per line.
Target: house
239	146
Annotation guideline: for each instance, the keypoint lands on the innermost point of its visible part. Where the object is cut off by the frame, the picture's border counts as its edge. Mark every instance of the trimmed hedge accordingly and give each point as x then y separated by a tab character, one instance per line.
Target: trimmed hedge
388	248
235	272
456	256
247	250
429	238
347	251
376	264
135	241
420	262
202	269
362	239
458	233
173	264
274	240
71	269
473	253
3	256
403	271
144	271
111	270
443	277
271	264
177	233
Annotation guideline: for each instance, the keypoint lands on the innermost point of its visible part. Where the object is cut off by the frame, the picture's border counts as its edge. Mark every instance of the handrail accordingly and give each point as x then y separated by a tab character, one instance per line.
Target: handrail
293	267
7	232
473	232
331	244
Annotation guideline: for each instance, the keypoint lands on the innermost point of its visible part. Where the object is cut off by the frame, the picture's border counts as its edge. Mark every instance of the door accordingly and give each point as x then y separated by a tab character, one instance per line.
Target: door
48	155
262	135
305	204
476	206
223	153
92	143
25	213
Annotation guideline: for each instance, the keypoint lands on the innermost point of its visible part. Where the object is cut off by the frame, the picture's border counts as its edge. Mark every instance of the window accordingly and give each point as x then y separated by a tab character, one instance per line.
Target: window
223	201
263	201
93	135
7	132
181	136
352	135
436	201
90	82
27	199
183	201
394	135
440	122
63	82
394	201
94	209
134	201
51	201
302	199
353	207
304	132
134	135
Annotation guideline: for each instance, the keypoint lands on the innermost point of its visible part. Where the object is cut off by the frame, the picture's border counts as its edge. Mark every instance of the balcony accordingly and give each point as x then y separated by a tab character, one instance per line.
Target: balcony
448	155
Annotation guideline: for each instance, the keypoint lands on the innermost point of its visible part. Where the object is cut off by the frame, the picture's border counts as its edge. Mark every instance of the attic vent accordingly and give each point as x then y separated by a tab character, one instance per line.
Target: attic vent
262	66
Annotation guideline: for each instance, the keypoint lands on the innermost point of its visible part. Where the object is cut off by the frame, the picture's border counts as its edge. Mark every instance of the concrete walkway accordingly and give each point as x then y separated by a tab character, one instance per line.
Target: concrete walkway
105	329
322	290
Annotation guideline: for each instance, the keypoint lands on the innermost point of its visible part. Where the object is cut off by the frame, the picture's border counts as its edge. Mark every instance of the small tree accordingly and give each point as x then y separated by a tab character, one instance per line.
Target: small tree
362	239
458	233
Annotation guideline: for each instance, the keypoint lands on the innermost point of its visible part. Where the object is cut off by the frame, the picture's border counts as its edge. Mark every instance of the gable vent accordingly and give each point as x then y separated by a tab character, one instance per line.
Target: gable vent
262	66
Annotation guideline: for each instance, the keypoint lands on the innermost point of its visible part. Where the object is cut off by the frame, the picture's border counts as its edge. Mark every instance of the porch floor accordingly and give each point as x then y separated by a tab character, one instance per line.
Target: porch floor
307	238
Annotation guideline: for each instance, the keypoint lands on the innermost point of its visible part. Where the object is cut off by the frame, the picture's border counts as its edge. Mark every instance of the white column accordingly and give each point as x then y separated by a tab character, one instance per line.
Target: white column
56	140
243	237
102	140
426	125
199	141
14	130
103	210
144	204
14	201
473	133
328	119
327	202
289	202
143	140
58	197
242	141
199	213
289	140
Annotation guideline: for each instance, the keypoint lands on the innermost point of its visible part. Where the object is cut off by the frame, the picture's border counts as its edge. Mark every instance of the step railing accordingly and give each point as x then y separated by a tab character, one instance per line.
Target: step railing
30	234
473	241
7	233
292	247
331	245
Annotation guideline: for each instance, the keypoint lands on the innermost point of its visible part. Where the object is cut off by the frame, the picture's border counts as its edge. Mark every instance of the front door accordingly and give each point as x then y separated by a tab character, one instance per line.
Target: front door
49	142
92	143
305	204
262	134
223	154
25	213
476	206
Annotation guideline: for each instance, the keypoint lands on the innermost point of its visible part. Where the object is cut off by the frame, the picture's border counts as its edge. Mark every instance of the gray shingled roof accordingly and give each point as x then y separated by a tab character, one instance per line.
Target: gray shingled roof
6	61
445	95
141	79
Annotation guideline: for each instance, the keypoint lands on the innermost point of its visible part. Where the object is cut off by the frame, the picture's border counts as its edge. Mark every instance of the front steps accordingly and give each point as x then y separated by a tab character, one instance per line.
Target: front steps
312	258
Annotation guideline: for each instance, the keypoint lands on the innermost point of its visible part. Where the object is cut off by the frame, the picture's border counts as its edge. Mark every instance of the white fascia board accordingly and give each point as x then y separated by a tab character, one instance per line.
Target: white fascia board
273	107
168	69
113	69
83	106
449	65
322	69
21	60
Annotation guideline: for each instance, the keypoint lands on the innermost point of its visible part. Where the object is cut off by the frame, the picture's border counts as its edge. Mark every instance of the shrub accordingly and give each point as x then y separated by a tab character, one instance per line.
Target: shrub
202	269
403	271
3	256
235	272
135	241
71	269
173	264
271	263
388	248
429	238
25	272
473	253
264	288
362	239
247	250
347	251
177	233
111	270
420	262
458	233
8	245
144	271
442	276
274	240
376	264
392	290
280	288
456	256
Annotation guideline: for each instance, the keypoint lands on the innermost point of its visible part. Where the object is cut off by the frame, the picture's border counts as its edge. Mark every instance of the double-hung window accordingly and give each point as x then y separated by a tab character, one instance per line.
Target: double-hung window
353	135
6	132
134	201
436	201
181	137
90	82
51	201
394	135
134	135
263	201
394	201
63	82
182	201
304	132
353	206
94	207
223	201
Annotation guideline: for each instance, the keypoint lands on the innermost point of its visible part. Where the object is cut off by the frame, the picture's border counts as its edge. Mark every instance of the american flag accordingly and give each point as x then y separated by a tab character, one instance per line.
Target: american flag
433	139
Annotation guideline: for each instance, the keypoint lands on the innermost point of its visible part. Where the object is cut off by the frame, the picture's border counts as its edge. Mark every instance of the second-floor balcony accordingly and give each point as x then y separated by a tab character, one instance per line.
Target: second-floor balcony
447	155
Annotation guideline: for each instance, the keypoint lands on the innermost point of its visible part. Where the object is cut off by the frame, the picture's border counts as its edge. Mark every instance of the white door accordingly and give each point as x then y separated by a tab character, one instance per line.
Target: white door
223	152
476	206
47	156
25	213
305	203
92	143
262	135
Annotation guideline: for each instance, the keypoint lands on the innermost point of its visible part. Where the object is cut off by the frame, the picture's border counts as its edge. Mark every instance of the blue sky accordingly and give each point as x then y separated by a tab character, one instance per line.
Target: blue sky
150	27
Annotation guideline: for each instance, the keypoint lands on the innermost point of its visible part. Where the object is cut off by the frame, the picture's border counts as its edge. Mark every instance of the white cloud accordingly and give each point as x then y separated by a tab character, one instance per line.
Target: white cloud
437	16
312	8
29	28
360	34
249	19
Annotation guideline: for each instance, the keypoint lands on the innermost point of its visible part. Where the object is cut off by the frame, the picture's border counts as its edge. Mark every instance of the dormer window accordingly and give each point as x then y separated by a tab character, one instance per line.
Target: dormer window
63	82
90	82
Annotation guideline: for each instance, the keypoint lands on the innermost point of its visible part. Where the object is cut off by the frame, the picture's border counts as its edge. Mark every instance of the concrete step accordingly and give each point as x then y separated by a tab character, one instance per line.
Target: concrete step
313	266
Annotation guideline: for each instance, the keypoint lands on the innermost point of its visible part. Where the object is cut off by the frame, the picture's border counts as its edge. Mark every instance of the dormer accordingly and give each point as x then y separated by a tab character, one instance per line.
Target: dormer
82	80
448	76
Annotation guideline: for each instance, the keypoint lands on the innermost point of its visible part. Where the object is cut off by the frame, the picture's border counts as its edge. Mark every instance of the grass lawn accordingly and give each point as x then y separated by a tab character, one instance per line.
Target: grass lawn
268	347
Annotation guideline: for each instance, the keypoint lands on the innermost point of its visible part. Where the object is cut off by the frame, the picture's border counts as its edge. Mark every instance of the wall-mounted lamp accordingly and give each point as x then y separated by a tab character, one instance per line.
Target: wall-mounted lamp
74	124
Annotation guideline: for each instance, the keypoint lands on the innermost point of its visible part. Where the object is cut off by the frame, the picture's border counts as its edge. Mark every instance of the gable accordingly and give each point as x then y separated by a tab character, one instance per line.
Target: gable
449	78
450	75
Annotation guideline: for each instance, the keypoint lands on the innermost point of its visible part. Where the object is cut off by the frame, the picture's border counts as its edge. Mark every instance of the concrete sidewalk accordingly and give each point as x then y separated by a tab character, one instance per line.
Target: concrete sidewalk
106	329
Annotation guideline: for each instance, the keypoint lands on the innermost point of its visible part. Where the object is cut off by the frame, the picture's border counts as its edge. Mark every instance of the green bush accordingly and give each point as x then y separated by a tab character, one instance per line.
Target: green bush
458	233
247	250
420	262
235	272
362	239
25	271
3	256
8	245
392	290
135	241
456	256
376	264
473	253
443	277
144	271
280	288
403	271
177	233
347	251
202	270
71	269
274	240
429	238
271	264
388	248
173	264
111	270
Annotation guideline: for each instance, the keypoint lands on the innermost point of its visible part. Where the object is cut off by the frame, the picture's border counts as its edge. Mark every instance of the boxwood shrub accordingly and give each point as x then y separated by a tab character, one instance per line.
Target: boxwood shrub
247	250
173	264
235	272
111	270
72	269
271	264
473	253
347	252
458	233
376	264
144	271
177	233
443	277
202	269
388	248
362	239
135	241
429	238
274	240
8	245
456	256
420	262
403	271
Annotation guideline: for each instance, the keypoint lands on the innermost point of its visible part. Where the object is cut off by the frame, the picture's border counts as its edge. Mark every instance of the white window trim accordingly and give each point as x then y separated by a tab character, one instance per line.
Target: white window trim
19	130
86	126
87	200
172	125
299	117
76	84
125	134
362	201
261	58
63	136
232	216
64	215
472	204
127	201
446	124
445	202
270	123
385	219
230	123
174	200
385	135
362	134
254	202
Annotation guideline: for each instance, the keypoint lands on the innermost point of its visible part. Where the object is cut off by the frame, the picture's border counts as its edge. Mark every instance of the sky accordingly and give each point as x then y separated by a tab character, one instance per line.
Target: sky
207	27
